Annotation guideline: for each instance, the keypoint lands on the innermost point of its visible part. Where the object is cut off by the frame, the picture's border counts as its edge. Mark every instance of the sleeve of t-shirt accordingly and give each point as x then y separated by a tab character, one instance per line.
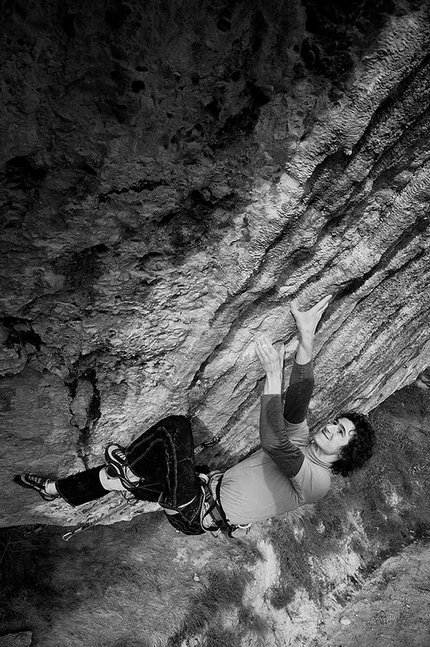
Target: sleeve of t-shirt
274	436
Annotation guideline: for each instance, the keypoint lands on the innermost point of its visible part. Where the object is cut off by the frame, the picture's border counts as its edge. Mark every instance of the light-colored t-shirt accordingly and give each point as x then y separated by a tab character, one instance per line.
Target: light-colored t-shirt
258	488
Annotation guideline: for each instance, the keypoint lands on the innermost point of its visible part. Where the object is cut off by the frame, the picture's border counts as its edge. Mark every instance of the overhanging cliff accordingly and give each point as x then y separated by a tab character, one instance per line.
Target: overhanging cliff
172	175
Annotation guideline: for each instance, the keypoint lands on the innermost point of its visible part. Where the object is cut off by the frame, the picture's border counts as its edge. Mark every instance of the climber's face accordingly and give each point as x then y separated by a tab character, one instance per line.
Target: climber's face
334	436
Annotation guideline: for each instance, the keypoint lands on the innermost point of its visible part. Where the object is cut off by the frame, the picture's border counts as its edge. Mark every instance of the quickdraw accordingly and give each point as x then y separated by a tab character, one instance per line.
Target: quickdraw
89	524
209	443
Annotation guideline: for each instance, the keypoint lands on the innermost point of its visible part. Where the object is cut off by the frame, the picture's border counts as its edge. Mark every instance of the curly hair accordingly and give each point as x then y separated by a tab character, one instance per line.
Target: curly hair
359	449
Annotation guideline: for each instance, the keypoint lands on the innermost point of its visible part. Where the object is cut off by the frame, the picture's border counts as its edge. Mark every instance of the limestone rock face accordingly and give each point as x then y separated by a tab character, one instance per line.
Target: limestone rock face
172	174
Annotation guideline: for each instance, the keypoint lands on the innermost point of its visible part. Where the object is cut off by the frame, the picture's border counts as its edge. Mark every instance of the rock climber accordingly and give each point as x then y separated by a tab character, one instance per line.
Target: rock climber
292	467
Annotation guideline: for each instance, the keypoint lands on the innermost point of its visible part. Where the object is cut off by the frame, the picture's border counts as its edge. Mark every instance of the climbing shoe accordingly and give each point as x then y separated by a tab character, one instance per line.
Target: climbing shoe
34	482
117	466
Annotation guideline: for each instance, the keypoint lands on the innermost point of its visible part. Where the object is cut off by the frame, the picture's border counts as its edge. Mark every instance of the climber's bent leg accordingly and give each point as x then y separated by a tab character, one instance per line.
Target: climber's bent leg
163	456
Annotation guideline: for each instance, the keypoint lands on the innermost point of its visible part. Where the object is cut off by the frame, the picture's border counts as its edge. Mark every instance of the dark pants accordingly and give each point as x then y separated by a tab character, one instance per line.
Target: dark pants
164	457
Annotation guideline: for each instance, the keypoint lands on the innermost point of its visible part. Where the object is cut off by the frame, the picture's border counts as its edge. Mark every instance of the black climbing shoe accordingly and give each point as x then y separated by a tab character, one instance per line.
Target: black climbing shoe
117	466
34	482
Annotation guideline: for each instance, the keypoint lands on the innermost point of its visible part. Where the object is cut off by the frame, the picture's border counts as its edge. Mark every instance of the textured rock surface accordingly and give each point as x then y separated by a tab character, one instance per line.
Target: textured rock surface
392	608
171	177
21	639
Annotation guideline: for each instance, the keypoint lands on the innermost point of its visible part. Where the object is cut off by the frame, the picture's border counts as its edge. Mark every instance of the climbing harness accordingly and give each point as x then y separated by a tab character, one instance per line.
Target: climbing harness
212	516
